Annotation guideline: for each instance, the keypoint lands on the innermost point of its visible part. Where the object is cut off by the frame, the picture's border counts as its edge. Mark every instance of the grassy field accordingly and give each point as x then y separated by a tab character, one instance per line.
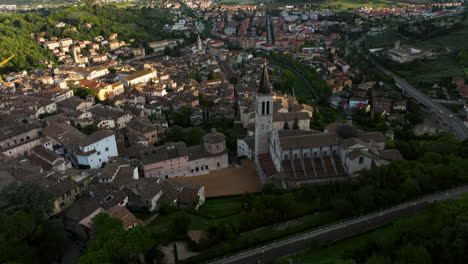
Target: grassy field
346	4
219	207
301	89
431	71
215	210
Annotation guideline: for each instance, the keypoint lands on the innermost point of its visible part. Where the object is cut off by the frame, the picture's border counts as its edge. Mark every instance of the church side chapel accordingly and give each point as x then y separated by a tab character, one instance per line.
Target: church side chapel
292	157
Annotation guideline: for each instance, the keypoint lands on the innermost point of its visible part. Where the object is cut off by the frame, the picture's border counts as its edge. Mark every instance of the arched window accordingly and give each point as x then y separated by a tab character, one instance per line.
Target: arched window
268	108
263	108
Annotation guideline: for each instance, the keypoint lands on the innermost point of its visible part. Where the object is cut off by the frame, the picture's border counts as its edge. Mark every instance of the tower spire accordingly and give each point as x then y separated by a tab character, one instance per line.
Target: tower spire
265	86
199	42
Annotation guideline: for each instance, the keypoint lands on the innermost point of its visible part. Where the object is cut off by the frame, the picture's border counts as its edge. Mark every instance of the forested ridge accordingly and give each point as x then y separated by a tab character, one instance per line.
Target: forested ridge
15	40
137	26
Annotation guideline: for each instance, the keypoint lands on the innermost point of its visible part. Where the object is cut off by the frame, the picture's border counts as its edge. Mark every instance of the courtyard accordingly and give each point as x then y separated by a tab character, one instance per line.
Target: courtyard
230	181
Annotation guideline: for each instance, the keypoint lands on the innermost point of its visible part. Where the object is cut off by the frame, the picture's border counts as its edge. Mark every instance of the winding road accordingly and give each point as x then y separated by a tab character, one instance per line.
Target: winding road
456	125
338	231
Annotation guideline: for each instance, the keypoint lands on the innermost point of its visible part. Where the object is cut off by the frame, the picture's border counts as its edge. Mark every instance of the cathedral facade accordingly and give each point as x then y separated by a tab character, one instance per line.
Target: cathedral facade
291	158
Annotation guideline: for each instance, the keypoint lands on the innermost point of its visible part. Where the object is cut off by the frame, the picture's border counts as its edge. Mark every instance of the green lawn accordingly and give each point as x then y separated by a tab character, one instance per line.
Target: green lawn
219	207
161	223
215	210
301	89
226	210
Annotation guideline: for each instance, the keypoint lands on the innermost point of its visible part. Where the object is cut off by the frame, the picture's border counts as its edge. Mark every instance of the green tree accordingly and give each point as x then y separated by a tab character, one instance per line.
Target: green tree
193	136
286	81
212	75
108	241
181	117
205	102
30	238
195	75
89	129
411	187
25	197
377	259
174	134
139	240
411	253
463	57
113	244
342	207
181	223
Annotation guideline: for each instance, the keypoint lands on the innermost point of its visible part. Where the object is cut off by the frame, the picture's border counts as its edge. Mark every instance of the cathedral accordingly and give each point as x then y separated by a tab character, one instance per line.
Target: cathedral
293	157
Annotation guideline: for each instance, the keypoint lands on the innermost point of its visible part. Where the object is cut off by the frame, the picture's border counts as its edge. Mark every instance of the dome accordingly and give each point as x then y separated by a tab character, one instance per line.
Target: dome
347	131
214	142
214	137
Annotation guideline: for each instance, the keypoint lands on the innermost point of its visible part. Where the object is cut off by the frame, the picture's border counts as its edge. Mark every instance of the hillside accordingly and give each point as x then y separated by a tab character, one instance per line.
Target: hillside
32	2
142	26
15	40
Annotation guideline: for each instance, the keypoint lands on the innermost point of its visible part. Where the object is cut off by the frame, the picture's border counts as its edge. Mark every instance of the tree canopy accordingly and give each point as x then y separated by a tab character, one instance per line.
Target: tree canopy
113	244
25	198
26	233
437	235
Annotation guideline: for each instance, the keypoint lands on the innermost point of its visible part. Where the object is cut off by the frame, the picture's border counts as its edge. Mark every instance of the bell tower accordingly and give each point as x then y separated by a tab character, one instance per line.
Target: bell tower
199	43
263	113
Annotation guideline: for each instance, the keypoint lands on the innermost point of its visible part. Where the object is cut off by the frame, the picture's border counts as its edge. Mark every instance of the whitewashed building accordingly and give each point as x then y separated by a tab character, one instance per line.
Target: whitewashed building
140	77
86	151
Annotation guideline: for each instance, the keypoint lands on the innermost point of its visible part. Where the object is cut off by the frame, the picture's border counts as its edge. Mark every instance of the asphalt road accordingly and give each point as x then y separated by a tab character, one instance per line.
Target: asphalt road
456	125
338	231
